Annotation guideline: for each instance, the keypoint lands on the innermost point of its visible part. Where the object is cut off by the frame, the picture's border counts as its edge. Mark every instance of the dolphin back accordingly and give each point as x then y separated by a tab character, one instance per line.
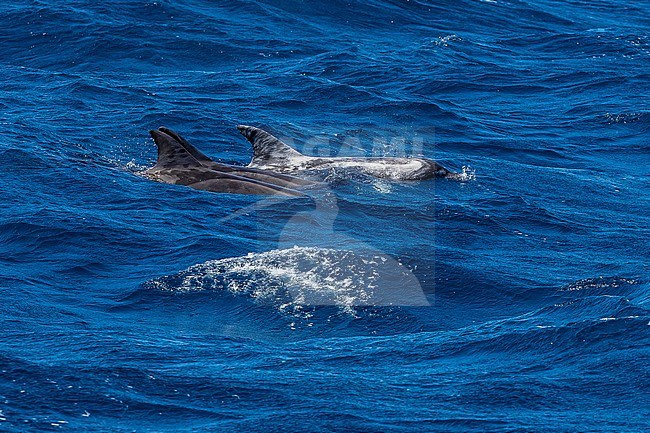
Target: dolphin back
196	153
171	152
267	149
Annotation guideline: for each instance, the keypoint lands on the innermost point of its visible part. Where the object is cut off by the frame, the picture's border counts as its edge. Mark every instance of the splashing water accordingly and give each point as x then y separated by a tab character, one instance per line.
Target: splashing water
304	276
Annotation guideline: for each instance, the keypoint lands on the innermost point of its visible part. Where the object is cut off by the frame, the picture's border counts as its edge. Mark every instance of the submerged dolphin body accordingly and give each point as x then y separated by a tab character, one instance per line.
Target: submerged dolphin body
270	153
180	163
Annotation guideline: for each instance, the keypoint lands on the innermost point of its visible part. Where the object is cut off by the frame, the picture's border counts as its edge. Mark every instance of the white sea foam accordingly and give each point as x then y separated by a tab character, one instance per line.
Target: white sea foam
305	276
467	173
445	40
382	186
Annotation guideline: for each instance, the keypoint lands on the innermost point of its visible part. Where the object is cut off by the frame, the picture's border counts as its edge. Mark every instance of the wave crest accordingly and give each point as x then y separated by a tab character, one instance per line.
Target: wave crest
304	276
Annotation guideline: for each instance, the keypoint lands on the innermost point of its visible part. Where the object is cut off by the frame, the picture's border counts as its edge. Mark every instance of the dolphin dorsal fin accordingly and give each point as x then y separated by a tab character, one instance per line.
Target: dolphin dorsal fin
171	152
196	153
266	148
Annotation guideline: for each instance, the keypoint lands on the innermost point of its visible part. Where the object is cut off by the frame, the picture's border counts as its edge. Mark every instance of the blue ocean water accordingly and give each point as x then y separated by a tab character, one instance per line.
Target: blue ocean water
130	305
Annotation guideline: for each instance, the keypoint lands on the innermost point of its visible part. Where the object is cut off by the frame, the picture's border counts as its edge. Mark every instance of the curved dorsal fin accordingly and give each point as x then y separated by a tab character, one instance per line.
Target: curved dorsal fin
171	152
266	148
196	153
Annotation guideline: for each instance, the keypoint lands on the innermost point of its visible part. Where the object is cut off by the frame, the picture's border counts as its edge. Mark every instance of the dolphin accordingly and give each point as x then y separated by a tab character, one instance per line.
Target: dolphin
180	163
270	153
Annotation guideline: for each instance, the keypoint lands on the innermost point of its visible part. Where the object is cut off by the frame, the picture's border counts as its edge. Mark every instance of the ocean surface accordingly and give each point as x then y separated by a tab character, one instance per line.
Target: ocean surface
514	300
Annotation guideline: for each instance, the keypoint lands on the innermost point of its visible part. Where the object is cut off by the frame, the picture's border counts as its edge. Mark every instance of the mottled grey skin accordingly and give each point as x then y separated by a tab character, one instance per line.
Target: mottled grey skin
270	153
180	163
